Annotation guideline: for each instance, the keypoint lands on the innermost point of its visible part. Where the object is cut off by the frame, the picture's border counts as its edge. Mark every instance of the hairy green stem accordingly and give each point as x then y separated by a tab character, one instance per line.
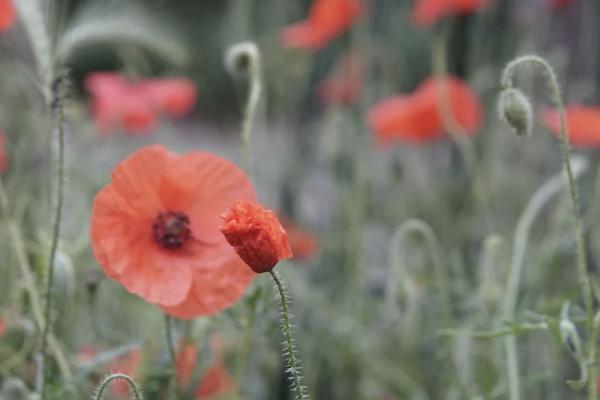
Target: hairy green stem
104	385
290	348
584	280
59	128
172	389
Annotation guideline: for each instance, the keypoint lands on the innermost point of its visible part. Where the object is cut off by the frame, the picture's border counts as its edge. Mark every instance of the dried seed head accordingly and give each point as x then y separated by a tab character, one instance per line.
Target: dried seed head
240	57
514	108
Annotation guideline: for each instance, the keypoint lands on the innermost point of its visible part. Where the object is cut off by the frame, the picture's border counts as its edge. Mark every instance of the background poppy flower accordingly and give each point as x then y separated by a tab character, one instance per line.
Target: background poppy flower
345	86
185	362
128	364
154	229
215	382
256	235
560	4
303	243
135	106
583	124
3	153
416	118
326	20
7	15
428	12
3	327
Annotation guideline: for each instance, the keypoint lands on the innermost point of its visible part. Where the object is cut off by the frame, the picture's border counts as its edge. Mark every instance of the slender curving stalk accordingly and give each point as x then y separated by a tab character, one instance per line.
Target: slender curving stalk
172	389
59	129
507	82
291	354
396	251
520	242
106	382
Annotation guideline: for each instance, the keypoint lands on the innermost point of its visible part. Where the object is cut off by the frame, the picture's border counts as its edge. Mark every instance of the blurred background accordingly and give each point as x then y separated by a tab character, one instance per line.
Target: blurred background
403	248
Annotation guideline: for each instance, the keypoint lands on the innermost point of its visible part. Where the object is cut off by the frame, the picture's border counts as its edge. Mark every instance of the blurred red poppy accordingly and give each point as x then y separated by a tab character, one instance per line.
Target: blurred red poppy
256	235
560	4
185	362
154	229
428	12
128	364
583	124
327	19
3	327
345	86
135	106
303	243
416	118
3	153
215	382
7	15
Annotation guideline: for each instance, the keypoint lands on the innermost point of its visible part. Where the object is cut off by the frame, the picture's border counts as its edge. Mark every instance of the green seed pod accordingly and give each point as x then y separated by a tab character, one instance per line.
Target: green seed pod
514	108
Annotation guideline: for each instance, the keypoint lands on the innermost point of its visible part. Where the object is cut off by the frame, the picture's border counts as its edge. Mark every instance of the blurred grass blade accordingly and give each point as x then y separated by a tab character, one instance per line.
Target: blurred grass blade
120	23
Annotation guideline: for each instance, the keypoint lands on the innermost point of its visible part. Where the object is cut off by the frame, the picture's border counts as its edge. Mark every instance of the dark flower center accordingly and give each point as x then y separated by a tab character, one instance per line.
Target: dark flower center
171	229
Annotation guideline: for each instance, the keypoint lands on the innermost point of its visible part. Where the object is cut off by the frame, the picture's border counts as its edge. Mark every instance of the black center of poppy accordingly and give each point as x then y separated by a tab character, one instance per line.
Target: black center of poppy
171	229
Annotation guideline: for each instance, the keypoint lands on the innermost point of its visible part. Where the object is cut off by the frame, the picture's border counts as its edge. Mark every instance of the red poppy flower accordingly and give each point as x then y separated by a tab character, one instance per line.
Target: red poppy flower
560	4
303	243
3	327
428	12
327	19
215	382
3	153
185	362
416	118
154	229
583	124
256	234
135	106
128	364
7	15
345	87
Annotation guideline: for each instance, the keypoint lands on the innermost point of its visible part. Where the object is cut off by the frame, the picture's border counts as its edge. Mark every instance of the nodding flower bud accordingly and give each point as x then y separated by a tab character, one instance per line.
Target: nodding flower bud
514	108
240	58
569	335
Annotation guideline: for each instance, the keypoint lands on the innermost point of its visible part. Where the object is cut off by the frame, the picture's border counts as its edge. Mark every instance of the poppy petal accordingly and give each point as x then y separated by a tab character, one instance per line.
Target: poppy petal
8	15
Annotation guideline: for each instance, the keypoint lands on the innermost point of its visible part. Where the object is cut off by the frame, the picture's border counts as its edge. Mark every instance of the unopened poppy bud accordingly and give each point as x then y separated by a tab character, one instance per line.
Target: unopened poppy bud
256	235
240	57
514	108
569	335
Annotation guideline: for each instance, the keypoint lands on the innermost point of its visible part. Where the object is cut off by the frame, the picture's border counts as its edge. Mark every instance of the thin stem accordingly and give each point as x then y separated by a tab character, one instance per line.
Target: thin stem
290	348
250	111
134	388
584	280
173	389
59	128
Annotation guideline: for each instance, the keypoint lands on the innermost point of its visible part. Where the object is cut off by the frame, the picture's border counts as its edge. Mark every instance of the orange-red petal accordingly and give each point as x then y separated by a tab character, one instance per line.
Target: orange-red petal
175	97
185	362
215	382
8	15
583	124
428	12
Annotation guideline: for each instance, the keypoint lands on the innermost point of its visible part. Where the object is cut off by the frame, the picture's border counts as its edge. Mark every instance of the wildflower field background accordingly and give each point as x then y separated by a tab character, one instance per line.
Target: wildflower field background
326	199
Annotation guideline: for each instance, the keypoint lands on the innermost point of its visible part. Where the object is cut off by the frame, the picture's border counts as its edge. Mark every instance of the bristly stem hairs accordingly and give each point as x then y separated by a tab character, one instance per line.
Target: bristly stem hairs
509	110
243	60
290	353
137	393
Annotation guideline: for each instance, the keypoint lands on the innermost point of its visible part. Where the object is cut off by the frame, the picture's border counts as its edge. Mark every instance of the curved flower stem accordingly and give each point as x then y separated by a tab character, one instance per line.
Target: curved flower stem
136	391
290	347
584	280
520	242
395	255
59	128
173	389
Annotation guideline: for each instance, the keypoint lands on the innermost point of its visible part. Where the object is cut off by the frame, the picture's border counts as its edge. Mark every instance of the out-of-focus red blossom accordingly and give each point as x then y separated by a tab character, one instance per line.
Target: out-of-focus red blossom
256	235
3	327
303	243
417	118
128	364
428	12
154	229
85	354
560	4
345	86
7	15
583	124
327	19
3	153
215	382
135	106
185	362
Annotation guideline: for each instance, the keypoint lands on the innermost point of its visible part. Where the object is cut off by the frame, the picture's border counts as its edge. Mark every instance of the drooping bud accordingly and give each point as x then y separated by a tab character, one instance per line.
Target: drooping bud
240	57
514	108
